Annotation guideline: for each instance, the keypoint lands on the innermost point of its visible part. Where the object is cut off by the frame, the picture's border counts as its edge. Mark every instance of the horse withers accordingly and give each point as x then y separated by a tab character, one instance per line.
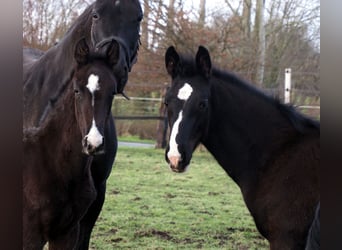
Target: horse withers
69	157
269	149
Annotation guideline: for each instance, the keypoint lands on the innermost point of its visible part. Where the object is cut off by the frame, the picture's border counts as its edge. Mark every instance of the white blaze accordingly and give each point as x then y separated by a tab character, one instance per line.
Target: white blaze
93	85
184	94
94	137
173	151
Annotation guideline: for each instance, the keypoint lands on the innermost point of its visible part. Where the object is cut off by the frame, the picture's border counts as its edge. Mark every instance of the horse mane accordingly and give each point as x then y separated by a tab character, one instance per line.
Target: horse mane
300	122
82	19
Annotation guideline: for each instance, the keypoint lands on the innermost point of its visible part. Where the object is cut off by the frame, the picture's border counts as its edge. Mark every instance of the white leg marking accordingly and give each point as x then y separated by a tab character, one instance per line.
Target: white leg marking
94	137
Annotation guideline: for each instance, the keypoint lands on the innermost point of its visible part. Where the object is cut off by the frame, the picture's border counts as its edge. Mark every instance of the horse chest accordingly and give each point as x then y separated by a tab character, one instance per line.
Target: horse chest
64	206
59	201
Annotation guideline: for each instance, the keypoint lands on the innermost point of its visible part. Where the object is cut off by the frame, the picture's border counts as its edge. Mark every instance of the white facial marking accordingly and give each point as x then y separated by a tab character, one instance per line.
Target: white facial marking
94	137
93	85
173	154
173	150
117	3
184	93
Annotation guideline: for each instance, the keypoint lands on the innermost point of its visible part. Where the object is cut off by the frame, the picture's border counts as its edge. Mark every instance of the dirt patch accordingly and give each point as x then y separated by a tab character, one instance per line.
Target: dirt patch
115	192
213	193
168	236
116	240
136	199
112	231
170	196
152	233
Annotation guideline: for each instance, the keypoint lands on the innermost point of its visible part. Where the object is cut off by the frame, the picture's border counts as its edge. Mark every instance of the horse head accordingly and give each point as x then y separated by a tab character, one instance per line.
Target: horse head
187	102
94	85
118	21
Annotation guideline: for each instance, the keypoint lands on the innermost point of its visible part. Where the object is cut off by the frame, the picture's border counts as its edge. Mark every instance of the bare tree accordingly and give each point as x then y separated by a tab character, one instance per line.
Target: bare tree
259	33
201	20
246	18
144	24
45	21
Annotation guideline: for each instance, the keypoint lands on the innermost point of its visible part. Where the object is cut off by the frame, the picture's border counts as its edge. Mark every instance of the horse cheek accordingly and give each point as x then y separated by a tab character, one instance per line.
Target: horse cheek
80	118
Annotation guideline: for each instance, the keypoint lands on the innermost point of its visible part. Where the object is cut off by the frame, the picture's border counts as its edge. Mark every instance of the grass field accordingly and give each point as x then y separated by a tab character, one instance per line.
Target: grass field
149	207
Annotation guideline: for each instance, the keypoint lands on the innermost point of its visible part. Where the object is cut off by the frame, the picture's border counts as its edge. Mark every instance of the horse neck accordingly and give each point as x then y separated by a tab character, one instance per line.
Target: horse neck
59	138
62	123
62	54
63	51
245	129
53	71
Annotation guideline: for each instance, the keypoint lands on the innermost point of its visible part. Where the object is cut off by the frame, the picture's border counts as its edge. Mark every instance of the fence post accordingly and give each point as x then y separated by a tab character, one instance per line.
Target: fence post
287	87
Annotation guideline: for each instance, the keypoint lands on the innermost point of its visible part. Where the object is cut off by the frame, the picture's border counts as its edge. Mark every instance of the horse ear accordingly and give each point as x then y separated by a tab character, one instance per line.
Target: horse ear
171	61
81	51
113	52
203	61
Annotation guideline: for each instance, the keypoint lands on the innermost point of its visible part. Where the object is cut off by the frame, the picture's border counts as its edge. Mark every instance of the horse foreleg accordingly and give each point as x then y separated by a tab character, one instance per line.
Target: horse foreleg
33	238
33	241
67	241
88	221
286	243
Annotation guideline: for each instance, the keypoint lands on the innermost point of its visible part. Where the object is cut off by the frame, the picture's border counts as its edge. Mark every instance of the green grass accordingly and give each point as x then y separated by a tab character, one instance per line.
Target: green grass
149	207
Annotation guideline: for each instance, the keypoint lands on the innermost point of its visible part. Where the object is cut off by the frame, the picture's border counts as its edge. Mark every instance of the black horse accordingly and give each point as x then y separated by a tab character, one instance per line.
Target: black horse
69	134
69	157
269	149
101	23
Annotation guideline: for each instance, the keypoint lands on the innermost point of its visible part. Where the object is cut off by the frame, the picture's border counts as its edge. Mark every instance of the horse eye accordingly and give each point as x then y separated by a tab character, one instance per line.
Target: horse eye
166	103
140	18
203	104
95	15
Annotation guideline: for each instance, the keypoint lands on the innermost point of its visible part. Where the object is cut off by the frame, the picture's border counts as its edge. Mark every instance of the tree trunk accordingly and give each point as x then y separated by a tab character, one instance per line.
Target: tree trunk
201	20
144	25
162	125
246	18
170	17
260	41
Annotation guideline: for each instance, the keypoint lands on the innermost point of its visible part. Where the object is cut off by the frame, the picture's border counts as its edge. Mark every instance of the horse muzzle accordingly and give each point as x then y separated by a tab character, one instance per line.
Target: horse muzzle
176	164
92	148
